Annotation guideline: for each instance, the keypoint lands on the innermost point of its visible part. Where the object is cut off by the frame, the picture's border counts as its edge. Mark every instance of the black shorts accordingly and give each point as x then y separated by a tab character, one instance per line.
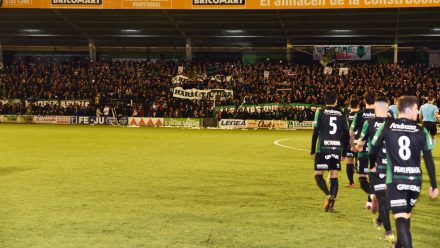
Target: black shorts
362	164
378	183
402	197
351	154
327	161
431	127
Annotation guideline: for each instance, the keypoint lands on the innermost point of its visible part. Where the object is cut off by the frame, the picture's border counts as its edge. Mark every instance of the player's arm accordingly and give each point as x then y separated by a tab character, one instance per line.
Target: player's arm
421	113
376	143
315	132
429	162
364	136
437	117
352	130
345	137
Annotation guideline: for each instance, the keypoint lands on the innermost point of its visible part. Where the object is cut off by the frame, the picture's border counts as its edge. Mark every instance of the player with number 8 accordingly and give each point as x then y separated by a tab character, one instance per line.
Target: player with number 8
404	141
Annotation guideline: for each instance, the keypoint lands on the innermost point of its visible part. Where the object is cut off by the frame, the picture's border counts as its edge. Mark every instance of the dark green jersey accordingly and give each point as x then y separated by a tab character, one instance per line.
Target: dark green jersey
404	141
350	117
358	123
331	127
368	131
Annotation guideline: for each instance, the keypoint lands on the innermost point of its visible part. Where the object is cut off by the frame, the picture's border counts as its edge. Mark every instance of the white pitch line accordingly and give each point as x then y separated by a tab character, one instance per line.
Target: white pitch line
277	142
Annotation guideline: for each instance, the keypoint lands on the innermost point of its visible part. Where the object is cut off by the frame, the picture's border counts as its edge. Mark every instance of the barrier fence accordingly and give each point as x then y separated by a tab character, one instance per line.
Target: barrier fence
157	122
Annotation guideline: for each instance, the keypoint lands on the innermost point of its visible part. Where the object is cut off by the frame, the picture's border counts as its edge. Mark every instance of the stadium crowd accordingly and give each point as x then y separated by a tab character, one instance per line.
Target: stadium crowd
145	88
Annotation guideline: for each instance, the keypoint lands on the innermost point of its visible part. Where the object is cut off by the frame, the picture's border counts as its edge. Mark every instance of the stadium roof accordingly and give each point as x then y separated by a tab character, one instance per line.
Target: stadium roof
219	28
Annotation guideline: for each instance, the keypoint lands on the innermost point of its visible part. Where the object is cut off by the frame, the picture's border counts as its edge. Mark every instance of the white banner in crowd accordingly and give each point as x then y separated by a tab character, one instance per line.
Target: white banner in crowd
344	52
266	74
62	103
196	94
179	79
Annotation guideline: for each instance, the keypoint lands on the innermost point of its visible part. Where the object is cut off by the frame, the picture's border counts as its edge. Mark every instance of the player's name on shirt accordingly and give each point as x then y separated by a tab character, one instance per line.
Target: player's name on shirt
407	170
332	142
403	127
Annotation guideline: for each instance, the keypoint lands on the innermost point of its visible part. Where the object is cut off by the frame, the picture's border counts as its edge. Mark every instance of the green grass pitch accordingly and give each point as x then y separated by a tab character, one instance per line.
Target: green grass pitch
115	187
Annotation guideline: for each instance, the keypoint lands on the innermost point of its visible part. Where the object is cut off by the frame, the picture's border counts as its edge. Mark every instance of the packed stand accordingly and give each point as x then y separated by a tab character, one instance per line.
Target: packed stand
145	88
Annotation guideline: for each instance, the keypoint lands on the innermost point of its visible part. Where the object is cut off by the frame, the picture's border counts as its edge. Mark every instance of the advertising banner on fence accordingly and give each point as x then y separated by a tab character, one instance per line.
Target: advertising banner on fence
344	52
182	122
218	4
300	125
93	120
63	120
232	124
146	121
45	119
266	124
16	118
196	94
209	122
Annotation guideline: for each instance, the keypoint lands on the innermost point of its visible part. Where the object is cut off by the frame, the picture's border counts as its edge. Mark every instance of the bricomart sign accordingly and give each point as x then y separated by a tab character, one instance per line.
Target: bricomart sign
86	2
220	4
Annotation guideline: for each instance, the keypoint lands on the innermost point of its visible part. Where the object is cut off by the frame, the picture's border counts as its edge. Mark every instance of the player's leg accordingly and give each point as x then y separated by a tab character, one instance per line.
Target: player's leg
334	167
384	215
399	201
403	233
350	169
432	130
374	181
362	164
378	181
321	166
319	178
334	184
412	196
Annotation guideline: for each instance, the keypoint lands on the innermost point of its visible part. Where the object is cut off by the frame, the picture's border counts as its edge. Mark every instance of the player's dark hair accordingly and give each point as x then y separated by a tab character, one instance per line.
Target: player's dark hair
380	97
431	97
330	98
405	102
354	101
369	97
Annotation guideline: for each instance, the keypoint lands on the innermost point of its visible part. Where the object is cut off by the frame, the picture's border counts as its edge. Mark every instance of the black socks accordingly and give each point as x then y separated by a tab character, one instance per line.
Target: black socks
365	185
403	233
334	185
384	214
322	184
350	173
